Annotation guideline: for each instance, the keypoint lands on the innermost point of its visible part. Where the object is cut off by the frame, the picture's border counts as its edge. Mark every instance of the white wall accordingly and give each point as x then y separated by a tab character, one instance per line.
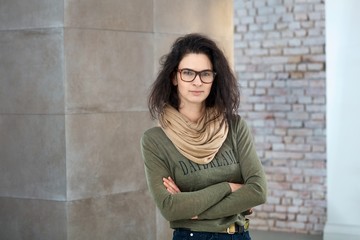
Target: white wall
343	119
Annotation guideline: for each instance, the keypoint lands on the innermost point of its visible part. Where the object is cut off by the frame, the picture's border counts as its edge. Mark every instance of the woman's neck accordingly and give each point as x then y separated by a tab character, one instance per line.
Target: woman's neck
192	112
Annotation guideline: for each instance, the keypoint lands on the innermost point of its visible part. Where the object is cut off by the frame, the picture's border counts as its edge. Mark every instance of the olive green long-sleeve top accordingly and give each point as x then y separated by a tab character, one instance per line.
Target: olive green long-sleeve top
205	191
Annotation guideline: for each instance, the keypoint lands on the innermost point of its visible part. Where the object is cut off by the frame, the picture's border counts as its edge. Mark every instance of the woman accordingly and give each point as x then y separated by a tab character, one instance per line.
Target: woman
201	166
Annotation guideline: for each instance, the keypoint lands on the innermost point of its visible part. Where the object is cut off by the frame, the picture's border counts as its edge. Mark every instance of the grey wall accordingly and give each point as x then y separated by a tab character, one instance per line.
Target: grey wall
74	77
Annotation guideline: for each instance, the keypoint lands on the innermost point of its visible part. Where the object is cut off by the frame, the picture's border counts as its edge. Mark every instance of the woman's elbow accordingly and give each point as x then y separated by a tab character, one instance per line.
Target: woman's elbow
262	194
169	215
169	211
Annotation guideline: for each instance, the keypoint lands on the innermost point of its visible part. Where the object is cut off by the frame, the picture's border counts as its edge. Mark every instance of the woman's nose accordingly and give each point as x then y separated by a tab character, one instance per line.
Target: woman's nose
197	81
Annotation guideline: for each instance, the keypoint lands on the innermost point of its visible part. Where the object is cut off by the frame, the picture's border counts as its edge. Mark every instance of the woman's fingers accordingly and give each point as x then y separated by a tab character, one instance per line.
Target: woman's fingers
173	185
170	185
235	186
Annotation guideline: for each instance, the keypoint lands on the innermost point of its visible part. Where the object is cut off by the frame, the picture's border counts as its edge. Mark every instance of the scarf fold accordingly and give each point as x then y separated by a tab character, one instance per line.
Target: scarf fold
200	141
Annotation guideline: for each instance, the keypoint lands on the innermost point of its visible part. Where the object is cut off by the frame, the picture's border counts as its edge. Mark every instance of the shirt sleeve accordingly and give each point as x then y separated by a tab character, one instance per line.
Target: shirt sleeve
180	206
254	190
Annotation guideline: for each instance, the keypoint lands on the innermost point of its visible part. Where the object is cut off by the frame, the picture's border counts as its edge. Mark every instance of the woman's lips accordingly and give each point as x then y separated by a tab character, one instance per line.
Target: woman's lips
196	92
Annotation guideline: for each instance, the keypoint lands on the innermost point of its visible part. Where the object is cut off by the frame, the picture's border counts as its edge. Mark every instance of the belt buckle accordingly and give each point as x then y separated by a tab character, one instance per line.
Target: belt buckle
231	229
246	225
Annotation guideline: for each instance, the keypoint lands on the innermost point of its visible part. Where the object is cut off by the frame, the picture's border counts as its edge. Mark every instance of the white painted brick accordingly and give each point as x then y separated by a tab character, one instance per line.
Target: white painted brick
255	44
293	83
241	28
298	107
256	52
302	218
278	107
268	27
318	148
307	24
320	8
284	155
300	132
305	99
294	42
315	75
254	27
251	12
301	16
240	11
303	8
275	51
259	3
314	41
280	99
296	51
290	67
315	66
261	19
274	2
275	43
298	115
260	91
280	9
272	35
301	33
281	26
259	107
265	10
288	17
317	55
315	108
315	32
287	34
277	68
316	16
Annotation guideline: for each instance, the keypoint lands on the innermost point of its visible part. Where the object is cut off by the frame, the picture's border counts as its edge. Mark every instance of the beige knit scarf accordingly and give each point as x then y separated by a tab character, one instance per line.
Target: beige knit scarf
198	141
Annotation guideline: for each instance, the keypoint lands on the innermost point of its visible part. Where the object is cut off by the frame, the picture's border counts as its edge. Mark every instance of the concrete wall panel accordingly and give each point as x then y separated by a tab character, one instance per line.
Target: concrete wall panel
32	219
124	15
107	71
31	72
32	153
103	153
19	14
119	216
184	16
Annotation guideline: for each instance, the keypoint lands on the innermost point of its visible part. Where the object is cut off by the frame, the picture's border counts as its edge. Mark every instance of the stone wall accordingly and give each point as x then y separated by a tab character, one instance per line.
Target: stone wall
280	63
74	76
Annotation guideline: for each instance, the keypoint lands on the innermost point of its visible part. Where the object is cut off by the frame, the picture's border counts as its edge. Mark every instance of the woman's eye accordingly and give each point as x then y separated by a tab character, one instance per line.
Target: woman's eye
205	74
188	73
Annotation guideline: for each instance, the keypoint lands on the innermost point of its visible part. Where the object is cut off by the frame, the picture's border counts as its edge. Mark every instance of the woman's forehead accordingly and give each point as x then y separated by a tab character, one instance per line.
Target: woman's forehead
196	61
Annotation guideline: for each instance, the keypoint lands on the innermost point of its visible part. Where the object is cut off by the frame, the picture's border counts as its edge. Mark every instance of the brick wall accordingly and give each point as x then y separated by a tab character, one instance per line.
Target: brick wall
280	63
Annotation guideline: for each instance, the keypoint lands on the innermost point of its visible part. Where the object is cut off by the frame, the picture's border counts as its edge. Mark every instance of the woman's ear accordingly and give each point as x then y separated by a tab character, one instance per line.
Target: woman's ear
175	81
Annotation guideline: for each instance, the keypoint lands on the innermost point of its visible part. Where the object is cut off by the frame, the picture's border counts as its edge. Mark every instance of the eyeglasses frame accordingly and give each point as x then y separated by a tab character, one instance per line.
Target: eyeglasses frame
197	73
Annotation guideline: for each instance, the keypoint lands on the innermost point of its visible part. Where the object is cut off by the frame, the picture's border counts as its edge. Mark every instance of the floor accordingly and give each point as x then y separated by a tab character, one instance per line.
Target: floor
263	235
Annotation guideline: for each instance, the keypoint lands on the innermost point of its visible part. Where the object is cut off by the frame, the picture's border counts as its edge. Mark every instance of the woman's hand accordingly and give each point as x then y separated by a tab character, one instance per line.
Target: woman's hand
235	186
170	185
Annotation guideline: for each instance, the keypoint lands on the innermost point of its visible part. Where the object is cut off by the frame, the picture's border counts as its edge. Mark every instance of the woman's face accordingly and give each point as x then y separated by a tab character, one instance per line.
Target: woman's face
194	92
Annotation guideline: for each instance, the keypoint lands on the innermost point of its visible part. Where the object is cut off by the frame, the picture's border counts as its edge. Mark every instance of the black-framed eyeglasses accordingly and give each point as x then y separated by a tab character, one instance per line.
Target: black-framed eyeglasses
188	75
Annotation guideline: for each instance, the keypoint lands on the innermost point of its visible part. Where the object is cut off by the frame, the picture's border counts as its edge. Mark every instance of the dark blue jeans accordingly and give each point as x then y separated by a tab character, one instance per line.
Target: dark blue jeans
183	234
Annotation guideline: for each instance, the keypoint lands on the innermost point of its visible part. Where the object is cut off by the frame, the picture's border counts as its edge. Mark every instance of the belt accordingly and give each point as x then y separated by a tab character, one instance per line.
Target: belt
234	228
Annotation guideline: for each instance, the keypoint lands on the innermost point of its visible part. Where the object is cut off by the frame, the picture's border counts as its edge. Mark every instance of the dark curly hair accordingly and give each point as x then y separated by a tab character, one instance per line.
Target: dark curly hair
224	94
